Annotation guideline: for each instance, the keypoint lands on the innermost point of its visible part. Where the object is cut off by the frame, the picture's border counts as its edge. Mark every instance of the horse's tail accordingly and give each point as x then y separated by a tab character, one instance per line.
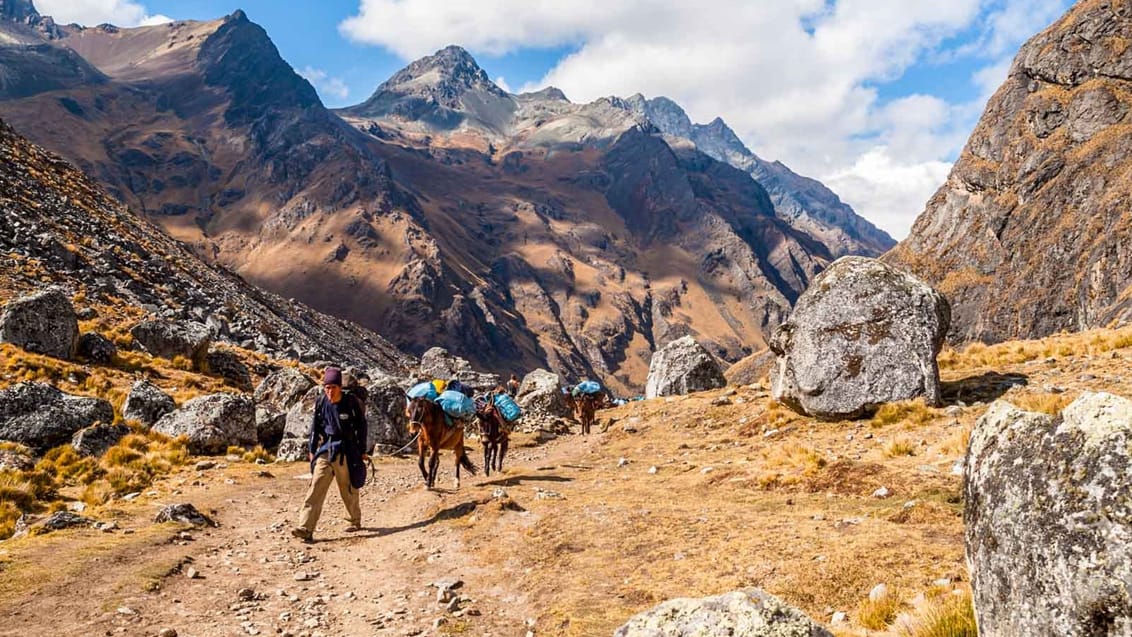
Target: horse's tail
466	462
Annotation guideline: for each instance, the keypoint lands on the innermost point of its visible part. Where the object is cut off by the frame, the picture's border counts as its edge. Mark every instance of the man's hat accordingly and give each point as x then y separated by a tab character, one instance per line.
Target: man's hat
332	376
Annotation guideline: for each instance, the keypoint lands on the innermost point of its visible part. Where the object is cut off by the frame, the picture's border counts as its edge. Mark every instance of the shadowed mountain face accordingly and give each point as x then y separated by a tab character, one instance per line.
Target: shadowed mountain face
1030	234
516	231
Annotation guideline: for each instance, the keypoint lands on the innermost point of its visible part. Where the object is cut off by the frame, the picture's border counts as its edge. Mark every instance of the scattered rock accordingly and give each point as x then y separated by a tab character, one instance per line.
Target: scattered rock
43	323
863	334
882	493
681	367
274	397
167	632
96	439
1048	518
17	460
40	416
541	393
55	522
185	513
170	339
879	592
212	423
204	465
439	363
96	348
146	403
227	365
749	612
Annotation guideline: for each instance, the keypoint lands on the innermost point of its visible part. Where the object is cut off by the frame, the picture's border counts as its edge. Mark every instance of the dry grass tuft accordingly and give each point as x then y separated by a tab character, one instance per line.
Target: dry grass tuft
913	413
259	454
878	614
789	464
899	447
943	616
1051	404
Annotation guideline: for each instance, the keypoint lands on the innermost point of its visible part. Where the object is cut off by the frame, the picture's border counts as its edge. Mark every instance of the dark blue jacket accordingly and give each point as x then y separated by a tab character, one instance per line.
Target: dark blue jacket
338	428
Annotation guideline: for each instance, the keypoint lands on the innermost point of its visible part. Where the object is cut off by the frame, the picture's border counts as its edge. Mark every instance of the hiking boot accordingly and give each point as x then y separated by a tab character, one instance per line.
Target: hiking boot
353	528
306	536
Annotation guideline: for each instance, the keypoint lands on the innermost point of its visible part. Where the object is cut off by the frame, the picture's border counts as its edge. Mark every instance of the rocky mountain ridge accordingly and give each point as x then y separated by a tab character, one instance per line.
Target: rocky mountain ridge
1030	233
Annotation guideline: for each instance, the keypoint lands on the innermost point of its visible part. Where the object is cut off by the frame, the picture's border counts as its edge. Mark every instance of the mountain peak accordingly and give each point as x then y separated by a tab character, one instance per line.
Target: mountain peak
21	11
238	16
441	77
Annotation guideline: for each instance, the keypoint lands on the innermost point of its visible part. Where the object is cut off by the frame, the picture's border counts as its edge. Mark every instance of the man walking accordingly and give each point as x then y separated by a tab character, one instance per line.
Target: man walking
337	441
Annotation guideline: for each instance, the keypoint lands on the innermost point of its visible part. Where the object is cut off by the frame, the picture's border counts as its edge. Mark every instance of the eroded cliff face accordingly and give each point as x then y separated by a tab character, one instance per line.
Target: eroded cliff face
1032	233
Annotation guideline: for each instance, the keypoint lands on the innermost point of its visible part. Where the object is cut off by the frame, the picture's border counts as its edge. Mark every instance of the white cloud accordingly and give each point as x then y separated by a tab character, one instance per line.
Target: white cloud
326	85
501	82
794	78
121	13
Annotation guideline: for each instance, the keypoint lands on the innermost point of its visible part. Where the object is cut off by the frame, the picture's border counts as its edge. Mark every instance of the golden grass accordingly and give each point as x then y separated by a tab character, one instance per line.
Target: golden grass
1051	404
942	616
912	413
258	454
1089	343
789	464
879	613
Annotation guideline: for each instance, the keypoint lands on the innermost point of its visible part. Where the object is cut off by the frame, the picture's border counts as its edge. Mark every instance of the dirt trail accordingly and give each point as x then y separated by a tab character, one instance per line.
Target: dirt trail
379	581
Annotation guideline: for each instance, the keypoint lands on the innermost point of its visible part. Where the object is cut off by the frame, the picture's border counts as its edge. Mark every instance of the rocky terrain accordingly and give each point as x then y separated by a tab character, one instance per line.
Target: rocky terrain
519	231
1030	233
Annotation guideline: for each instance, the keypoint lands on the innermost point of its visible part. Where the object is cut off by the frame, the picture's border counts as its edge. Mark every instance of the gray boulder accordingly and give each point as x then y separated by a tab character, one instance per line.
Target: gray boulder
297	429
40	416
227	365
212	423
863	334
184	513
146	403
96	348
439	363
55	522
750	612
1049	521
19	459
278	391
96	439
43	323
541	393
169	339
385	413
681	367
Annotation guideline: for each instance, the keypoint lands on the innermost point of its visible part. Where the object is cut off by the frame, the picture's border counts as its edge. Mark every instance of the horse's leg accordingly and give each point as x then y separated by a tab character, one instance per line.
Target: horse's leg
502	451
420	462
433	464
488	447
456	453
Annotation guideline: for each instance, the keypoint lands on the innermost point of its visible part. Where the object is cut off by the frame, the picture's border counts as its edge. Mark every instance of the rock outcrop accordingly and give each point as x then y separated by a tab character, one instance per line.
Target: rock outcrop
385	413
212	423
862	335
1029	235
227	365
437	362
750	612
43	323
682	367
96	348
1048	519
297	427
170	339
274	396
40	416
146	403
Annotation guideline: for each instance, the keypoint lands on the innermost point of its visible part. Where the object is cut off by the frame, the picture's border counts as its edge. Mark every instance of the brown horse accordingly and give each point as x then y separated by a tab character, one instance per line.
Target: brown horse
584	408
494	435
427	419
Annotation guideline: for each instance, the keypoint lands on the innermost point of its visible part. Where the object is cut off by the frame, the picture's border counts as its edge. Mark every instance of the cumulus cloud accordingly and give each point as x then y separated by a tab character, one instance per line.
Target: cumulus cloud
796	79
121	13
324	83
501	82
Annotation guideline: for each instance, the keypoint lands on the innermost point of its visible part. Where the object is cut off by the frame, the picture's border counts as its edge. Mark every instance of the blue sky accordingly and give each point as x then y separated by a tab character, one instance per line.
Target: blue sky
873	97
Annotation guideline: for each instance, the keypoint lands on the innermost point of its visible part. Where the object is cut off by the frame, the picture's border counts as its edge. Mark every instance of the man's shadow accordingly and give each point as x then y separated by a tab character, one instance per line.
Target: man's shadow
451	513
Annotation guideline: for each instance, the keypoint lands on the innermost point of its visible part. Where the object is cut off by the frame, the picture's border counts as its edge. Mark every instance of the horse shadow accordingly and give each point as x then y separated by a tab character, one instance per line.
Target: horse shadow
514	481
982	388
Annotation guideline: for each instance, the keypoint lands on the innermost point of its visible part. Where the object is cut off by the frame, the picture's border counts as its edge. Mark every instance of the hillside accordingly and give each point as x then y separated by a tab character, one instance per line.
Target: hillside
744	493
1029	235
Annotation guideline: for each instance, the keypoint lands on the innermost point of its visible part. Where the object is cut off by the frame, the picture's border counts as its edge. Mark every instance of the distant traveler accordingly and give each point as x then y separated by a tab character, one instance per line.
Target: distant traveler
513	386
337	452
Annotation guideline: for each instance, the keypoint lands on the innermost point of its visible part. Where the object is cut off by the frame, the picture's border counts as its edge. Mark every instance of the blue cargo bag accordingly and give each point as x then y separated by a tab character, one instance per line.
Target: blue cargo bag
423	390
588	387
456	405
507	407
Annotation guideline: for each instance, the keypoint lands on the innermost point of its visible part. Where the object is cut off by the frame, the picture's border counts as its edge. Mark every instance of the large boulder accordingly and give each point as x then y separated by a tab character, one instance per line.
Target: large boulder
146	403
439	363
169	339
541	393
96	348
97	439
385	413
297	428
278	391
1049	521
750	612
227	365
863	334
681	367
40	416
213	423
43	323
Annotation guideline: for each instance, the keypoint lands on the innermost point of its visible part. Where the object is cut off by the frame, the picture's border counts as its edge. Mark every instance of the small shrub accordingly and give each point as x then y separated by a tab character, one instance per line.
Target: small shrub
1051	404
182	363
911	412
259	453
9	513
899	447
233	450
945	616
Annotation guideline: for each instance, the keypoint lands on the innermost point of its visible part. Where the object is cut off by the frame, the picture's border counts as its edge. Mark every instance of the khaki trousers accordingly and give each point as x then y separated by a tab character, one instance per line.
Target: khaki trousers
324	472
